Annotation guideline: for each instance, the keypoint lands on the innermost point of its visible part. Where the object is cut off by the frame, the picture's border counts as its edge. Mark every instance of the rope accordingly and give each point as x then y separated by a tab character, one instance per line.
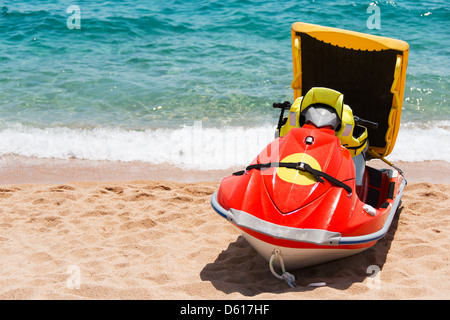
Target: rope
286	276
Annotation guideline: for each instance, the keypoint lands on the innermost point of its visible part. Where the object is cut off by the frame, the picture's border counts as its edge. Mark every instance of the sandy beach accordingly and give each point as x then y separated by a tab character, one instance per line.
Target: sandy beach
74	229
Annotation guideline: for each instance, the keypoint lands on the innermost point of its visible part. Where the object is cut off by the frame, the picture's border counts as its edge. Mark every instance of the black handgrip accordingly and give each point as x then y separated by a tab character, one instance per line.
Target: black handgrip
365	123
282	105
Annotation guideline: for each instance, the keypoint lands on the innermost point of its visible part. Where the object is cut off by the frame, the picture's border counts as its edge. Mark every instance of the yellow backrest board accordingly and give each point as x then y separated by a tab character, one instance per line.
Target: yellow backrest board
369	70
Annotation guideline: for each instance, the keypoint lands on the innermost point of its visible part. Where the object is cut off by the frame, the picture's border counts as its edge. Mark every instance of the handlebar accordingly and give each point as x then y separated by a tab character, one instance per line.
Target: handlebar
282	105
286	105
365	123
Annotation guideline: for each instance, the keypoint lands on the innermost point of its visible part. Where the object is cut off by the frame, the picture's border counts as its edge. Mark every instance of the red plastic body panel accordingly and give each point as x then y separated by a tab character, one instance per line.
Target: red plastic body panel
320	205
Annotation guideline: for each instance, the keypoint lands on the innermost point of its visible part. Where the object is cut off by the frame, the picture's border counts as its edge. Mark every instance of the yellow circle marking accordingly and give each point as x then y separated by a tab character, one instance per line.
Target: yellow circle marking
297	176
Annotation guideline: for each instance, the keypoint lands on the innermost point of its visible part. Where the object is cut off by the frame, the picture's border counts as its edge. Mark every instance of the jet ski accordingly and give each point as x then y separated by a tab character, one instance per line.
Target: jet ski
309	197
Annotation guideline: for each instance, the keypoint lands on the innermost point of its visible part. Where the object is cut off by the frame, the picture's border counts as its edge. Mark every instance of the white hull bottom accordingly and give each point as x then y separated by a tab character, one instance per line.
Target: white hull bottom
296	258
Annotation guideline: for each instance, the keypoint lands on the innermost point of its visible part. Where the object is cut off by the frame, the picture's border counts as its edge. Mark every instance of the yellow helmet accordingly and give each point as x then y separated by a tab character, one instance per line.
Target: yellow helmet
352	136
325	96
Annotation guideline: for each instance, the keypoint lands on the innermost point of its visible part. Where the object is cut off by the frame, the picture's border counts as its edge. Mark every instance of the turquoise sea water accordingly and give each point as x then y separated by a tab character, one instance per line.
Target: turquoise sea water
134	82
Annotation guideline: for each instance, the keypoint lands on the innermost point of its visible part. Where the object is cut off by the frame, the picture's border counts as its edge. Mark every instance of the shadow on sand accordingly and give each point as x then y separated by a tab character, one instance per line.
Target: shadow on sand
241	269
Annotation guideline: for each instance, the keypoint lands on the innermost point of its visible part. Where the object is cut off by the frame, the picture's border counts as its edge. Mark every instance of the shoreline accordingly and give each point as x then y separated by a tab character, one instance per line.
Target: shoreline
23	170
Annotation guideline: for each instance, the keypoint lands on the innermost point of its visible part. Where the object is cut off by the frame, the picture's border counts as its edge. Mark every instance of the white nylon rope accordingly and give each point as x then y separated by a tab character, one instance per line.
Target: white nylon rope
286	276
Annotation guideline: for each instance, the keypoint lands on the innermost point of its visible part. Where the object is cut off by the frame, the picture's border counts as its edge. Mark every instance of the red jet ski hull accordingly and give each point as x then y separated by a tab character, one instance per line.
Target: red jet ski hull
308	221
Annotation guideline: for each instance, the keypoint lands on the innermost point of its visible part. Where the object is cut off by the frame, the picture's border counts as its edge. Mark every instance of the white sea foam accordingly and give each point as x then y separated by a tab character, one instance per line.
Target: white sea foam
193	146
189	146
422	141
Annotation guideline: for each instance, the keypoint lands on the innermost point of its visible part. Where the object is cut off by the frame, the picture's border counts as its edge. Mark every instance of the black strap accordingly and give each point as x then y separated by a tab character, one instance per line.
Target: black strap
302	166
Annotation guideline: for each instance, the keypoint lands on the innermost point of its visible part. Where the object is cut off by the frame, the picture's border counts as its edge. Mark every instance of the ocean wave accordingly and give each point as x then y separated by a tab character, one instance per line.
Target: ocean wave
159	64
422	141
193	146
